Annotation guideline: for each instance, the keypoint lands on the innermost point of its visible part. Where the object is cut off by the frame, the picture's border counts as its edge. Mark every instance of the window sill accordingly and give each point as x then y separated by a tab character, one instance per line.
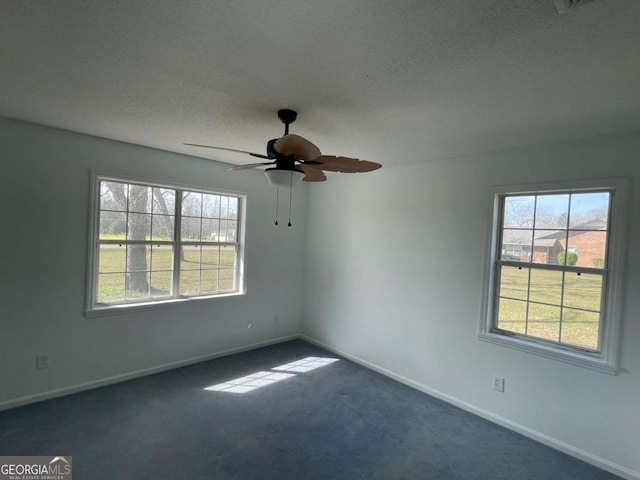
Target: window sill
107	310
547	351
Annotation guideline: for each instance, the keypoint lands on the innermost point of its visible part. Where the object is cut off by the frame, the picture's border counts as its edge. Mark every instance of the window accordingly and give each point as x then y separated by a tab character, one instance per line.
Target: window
553	273
157	243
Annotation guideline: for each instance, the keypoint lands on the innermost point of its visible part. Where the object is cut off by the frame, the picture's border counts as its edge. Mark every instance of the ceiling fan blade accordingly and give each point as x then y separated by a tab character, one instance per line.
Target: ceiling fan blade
259	155
312	174
299	147
248	166
332	163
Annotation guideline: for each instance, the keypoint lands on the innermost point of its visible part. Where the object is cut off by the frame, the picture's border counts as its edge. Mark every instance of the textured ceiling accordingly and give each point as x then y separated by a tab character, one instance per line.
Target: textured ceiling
396	82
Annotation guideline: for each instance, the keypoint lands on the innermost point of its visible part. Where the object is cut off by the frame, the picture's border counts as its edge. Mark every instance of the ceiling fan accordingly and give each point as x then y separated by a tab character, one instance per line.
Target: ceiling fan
295	158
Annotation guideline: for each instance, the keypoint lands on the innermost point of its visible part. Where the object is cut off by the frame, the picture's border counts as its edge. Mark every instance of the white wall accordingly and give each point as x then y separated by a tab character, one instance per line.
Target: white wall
44	187
393	277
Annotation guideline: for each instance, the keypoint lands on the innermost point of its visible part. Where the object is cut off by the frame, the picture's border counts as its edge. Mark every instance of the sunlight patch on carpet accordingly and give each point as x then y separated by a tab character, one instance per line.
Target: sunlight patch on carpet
306	364
250	382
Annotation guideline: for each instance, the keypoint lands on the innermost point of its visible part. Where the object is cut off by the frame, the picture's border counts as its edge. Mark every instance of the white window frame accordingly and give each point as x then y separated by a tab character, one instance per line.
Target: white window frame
607	359
93	308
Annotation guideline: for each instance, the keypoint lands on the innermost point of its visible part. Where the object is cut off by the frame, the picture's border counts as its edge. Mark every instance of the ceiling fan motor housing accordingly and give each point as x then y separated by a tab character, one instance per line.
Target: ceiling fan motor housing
271	151
287	116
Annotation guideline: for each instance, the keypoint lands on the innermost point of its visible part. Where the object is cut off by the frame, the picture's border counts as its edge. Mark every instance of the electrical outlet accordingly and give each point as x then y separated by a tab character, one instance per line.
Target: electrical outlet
249	324
498	383
42	361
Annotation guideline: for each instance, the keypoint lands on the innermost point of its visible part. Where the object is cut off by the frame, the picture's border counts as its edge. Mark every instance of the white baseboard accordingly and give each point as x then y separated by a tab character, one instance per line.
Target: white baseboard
59	392
492	417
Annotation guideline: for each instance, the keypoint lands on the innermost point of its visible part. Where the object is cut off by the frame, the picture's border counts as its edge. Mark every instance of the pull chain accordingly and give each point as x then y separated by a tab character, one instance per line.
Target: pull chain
290	195
277	202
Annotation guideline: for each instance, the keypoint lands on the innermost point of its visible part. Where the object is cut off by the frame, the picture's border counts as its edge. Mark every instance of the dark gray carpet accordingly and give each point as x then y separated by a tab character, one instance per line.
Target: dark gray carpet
339	421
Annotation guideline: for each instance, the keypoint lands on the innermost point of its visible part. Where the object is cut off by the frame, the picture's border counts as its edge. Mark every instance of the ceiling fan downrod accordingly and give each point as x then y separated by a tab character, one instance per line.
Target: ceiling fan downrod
287	117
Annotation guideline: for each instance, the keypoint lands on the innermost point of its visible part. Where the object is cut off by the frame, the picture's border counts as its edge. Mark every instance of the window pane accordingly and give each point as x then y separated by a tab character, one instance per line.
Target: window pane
210	256
192	204
164	201
209	281
224	207
139	227
225	276
233	208
228	256
210	229
189	282
512	315
211	206
161	257
137	285
190	257
589	246
110	287
516	245
162	227
552	211
140	199
113	225
589	211
518	211
544	321
190	229
232	227
113	196
547	246
223	230
161	284
112	258
582	290
580	328
514	282
137	258
546	286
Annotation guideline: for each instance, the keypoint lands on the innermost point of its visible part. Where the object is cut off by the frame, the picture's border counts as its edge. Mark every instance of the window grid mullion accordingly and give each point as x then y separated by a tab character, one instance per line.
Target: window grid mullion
557	268
498	265
128	195
545	341
566	234
507	297
603	286
531	257
135	242
218	289
564	274
209	243
526	318
200	235
178	249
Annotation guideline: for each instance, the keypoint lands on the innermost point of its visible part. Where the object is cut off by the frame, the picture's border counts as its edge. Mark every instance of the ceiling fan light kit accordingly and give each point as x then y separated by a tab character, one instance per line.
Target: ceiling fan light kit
284	178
